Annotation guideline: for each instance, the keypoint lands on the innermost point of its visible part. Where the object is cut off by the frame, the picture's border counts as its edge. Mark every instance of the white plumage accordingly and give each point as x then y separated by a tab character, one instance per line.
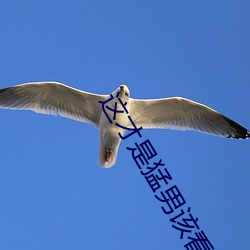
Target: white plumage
167	113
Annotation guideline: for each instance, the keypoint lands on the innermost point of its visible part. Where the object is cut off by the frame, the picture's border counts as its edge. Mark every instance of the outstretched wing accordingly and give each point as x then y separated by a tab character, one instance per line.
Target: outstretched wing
182	114
55	99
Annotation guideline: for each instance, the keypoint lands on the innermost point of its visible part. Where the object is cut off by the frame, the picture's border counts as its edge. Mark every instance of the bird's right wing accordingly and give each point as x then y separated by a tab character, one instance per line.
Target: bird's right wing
182	114
54	98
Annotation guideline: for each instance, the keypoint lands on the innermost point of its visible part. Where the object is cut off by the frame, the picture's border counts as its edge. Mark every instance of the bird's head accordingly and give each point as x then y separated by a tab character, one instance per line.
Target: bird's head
124	92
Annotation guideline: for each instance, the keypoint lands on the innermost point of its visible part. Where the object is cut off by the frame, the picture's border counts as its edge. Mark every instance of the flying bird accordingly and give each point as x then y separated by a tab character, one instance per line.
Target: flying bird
175	113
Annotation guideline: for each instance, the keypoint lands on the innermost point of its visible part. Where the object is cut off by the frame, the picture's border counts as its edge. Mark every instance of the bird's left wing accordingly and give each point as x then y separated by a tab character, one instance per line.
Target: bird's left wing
54	98
182	114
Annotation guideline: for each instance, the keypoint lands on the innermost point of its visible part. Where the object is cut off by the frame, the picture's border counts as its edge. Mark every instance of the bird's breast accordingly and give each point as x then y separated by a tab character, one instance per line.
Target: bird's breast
110	131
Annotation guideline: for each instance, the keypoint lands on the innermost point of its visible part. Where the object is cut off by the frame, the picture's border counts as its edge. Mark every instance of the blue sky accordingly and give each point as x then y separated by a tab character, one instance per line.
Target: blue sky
53	194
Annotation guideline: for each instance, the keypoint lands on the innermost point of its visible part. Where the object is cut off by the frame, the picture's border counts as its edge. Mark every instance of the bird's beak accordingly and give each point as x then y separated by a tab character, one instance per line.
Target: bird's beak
122	88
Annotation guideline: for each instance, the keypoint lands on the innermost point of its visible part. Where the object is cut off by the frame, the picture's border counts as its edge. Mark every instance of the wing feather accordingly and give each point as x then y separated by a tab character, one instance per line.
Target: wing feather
182	114
54	98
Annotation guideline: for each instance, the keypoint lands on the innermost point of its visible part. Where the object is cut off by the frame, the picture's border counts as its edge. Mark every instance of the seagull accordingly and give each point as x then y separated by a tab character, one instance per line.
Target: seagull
175	113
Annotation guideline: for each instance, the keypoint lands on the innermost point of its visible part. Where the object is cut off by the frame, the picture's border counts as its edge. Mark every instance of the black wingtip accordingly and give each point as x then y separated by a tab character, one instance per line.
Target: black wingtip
239	131
248	134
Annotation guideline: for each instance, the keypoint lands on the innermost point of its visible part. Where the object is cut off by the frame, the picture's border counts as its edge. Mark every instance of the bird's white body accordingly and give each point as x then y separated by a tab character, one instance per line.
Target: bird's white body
169	113
109	133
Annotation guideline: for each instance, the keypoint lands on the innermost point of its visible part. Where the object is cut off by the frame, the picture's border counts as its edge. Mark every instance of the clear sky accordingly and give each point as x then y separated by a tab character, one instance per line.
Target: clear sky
53	194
